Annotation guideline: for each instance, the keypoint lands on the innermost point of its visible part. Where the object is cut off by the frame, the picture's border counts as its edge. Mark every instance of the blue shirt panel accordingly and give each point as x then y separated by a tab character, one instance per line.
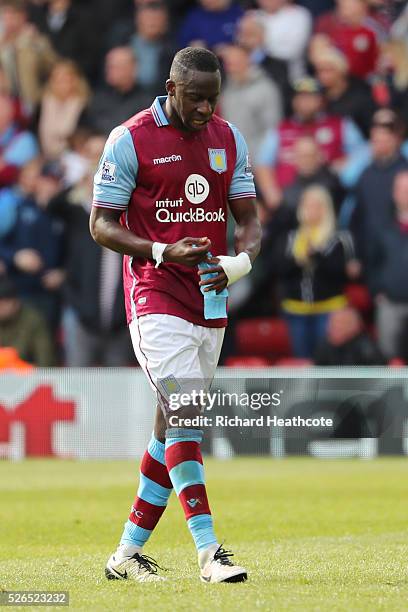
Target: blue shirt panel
115	179
242	184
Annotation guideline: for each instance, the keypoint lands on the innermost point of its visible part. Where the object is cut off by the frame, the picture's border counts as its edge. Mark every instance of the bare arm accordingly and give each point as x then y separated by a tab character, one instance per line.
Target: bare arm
248	231
108	232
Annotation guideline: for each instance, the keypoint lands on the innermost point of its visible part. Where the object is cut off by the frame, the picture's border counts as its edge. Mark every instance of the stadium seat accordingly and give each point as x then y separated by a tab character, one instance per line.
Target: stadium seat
249	361
266	337
293	362
397	362
359	297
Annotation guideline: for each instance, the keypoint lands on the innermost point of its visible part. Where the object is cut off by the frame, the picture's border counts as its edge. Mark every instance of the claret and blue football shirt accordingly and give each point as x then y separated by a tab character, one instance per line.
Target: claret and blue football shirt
171	184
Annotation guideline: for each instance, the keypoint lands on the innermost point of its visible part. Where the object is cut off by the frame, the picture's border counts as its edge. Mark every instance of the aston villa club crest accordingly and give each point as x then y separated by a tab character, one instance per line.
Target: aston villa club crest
170	385
218	160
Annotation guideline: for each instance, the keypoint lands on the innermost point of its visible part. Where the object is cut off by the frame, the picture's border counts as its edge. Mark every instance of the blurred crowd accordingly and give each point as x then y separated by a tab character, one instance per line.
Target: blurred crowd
319	89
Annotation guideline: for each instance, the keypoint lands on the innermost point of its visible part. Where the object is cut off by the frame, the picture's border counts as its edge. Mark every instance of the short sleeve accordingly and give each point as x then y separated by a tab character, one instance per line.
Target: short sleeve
242	184
115	179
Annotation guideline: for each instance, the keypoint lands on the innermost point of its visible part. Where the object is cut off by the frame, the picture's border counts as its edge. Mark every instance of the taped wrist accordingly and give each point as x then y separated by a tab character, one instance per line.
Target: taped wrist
157	252
235	267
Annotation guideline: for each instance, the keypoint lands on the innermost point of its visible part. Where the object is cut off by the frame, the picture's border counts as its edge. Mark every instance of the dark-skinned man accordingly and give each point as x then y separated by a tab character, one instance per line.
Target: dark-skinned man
162	192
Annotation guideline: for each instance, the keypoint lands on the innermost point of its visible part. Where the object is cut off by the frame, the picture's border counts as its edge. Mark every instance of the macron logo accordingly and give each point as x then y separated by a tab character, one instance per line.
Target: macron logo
193	502
167	160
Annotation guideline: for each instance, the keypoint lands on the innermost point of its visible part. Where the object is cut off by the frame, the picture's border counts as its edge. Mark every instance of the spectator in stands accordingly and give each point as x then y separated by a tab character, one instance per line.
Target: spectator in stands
319	44
212	24
17	147
71	30
345	95
394	59
32	250
347	28
249	99
287	30
106	12
77	158
122	96
152	45
389	271
373	206
21	118
23	328
251	36
65	98
177	9
313	262
311	169
25	55
347	343
336	136
151	42
94	324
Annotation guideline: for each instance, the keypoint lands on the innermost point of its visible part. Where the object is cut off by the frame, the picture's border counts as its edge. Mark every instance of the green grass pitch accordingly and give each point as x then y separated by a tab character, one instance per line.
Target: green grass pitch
314	535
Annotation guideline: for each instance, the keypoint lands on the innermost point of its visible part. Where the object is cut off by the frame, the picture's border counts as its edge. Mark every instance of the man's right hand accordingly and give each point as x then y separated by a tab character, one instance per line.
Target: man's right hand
187	251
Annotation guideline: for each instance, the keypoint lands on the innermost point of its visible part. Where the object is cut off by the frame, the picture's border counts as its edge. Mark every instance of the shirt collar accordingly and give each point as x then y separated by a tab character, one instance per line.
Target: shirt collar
158	113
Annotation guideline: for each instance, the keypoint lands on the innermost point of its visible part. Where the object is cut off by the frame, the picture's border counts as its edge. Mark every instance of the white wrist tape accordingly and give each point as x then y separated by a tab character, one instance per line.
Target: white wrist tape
235	267
157	252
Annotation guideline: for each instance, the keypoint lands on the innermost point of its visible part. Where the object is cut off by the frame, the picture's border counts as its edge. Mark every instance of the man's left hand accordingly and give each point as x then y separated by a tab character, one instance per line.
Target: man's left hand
217	283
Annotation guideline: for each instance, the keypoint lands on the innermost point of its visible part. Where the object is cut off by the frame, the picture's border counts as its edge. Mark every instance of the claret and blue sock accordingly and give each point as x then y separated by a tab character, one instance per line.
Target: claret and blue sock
185	467
177	463
151	500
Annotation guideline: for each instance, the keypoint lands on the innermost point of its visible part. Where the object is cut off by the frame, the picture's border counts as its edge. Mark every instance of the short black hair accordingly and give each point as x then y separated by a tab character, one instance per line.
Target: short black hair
193	58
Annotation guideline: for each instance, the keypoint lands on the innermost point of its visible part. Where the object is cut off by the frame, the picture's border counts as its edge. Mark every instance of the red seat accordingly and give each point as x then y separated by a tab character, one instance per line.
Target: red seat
267	337
359	297
249	361
397	362
293	362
